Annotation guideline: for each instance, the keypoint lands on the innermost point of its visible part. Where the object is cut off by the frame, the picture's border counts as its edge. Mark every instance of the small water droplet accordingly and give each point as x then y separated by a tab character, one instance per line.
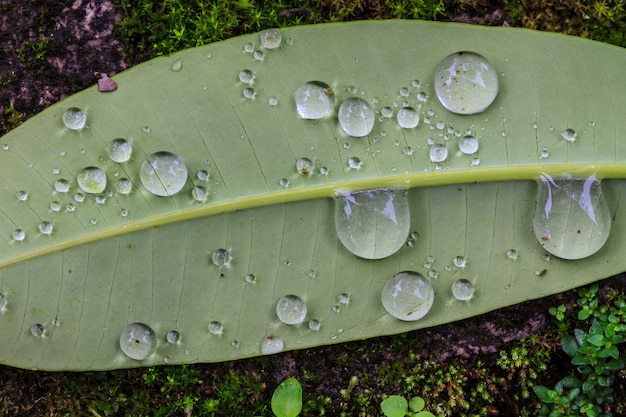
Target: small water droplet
291	309
172	337
462	290
408	296
246	76
163	174
314	325
249	92
74	118
19	235
314	100
258	55
356	117
572	219
305	166
311	273
37	330
460	261
569	135
92	180
203	175
512	254
468	145
354	163
177	65
433	274
250	279
216	328
407	150
373	224
100	199
70	208
3	302
271	38
45	228
475	162
438	153
55	206
221	257
544	153
386	111
138	341
423	97
408	117
93	221
22	195
5	147
248	47
284	182
272	345
343	298
404	92
272	100
124	186
120	150
324	171
466	83
199	193
79	198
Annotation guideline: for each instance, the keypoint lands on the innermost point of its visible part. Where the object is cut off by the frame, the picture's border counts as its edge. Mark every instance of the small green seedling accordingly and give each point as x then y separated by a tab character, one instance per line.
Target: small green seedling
397	406
287	398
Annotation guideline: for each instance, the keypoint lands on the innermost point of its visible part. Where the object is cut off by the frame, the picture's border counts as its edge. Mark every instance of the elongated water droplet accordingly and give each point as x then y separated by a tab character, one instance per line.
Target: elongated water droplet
92	180
177	65
572	219
408	296
138	341
120	150
271	38
305	166
438	153
290	309
272	345
74	118
462	290
163	173
220	257
468	144
3	302
356	117
314	100
466	83
216	328
408	117
373	224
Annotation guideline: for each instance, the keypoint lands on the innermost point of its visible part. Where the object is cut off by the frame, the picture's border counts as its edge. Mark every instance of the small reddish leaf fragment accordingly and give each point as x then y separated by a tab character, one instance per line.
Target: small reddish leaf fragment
106	84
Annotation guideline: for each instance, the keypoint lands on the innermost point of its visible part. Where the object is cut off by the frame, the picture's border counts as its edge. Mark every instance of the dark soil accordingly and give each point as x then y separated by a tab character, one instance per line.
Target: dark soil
50	49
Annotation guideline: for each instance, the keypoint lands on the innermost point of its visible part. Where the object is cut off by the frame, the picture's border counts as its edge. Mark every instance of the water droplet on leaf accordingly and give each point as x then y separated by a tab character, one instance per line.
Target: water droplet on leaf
271	38
314	100
199	193
221	257
354	163
120	150
37	330
408	296
290	309
314	325
45	228
74	118
22	195
512	254
163	173
468	144
462	290
173	337
138	341
246	76
305	166
216	328
177	65
272	345
92	180
408	117
438	153
569	135
124	186
356	117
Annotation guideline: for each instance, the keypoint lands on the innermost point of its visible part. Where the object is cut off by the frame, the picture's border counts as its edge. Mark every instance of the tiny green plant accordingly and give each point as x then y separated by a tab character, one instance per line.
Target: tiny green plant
398	406
287	398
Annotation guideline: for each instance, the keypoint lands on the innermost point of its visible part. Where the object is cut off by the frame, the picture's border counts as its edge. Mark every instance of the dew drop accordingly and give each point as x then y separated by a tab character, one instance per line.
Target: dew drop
163	174
120	150
3	302
544	153
246	76
79	198
408	117
343	298
460	261
92	180
284	182
177	65
356	117
74	118
45	228
291	309
249	92
272	345
19	235
124	186
220	257
272	100
475	162
271	38
314	100
199	193
373	224
407	150
250	279
37	330
100	199
203	175
468	145
258	55
248	47
172	337
55	206
438	153
22	195
216	328
314	325
512	254
354	163
408	296
462	290
421	96
61	186
386	112
572	219
138	341
569	135
305	166
466	83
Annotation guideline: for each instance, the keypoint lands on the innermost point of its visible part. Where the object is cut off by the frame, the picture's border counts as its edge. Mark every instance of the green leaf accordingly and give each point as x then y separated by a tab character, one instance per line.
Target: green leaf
114	259
543	393
287	398
394	406
569	345
596	340
416	404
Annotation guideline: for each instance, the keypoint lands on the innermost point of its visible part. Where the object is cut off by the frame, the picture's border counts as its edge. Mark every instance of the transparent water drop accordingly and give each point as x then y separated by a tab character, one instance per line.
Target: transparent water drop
386	112
440	125
421	96
120	150
462	290
272	100
248	47
408	296
408	117
272	345
37	330
199	193
569	135
354	163
373	224
305	166
220	257
79	198
55	206
19	235
22	195
284	182
475	162
343	298
216	328
3	302
314	100
249	92
324	170
246	76
572	219
250	279
356	117
172	337
74	118
203	175
460	261
291	309
468	144
544	153
61	186
138	341
92	180
46	228
271	38
466	83
438	153
512	254
124	186
163	174
314	325
235	344
407	150
177	65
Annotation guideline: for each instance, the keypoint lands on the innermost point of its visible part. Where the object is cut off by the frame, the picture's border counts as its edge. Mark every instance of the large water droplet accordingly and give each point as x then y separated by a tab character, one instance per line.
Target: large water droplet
92	180
356	117
163	173
466	83
291	309
462	290
408	117
177	65
138	341
120	150
220	257
572	219
270	38
74	118
408	296
272	345
438	153
314	100
373	224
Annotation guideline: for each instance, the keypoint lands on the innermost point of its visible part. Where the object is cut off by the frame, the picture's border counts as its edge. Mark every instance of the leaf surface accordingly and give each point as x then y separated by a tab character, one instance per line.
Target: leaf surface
113	259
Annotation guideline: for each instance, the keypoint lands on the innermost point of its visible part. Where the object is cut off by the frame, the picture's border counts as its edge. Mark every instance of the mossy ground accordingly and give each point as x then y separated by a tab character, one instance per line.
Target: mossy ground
481	366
